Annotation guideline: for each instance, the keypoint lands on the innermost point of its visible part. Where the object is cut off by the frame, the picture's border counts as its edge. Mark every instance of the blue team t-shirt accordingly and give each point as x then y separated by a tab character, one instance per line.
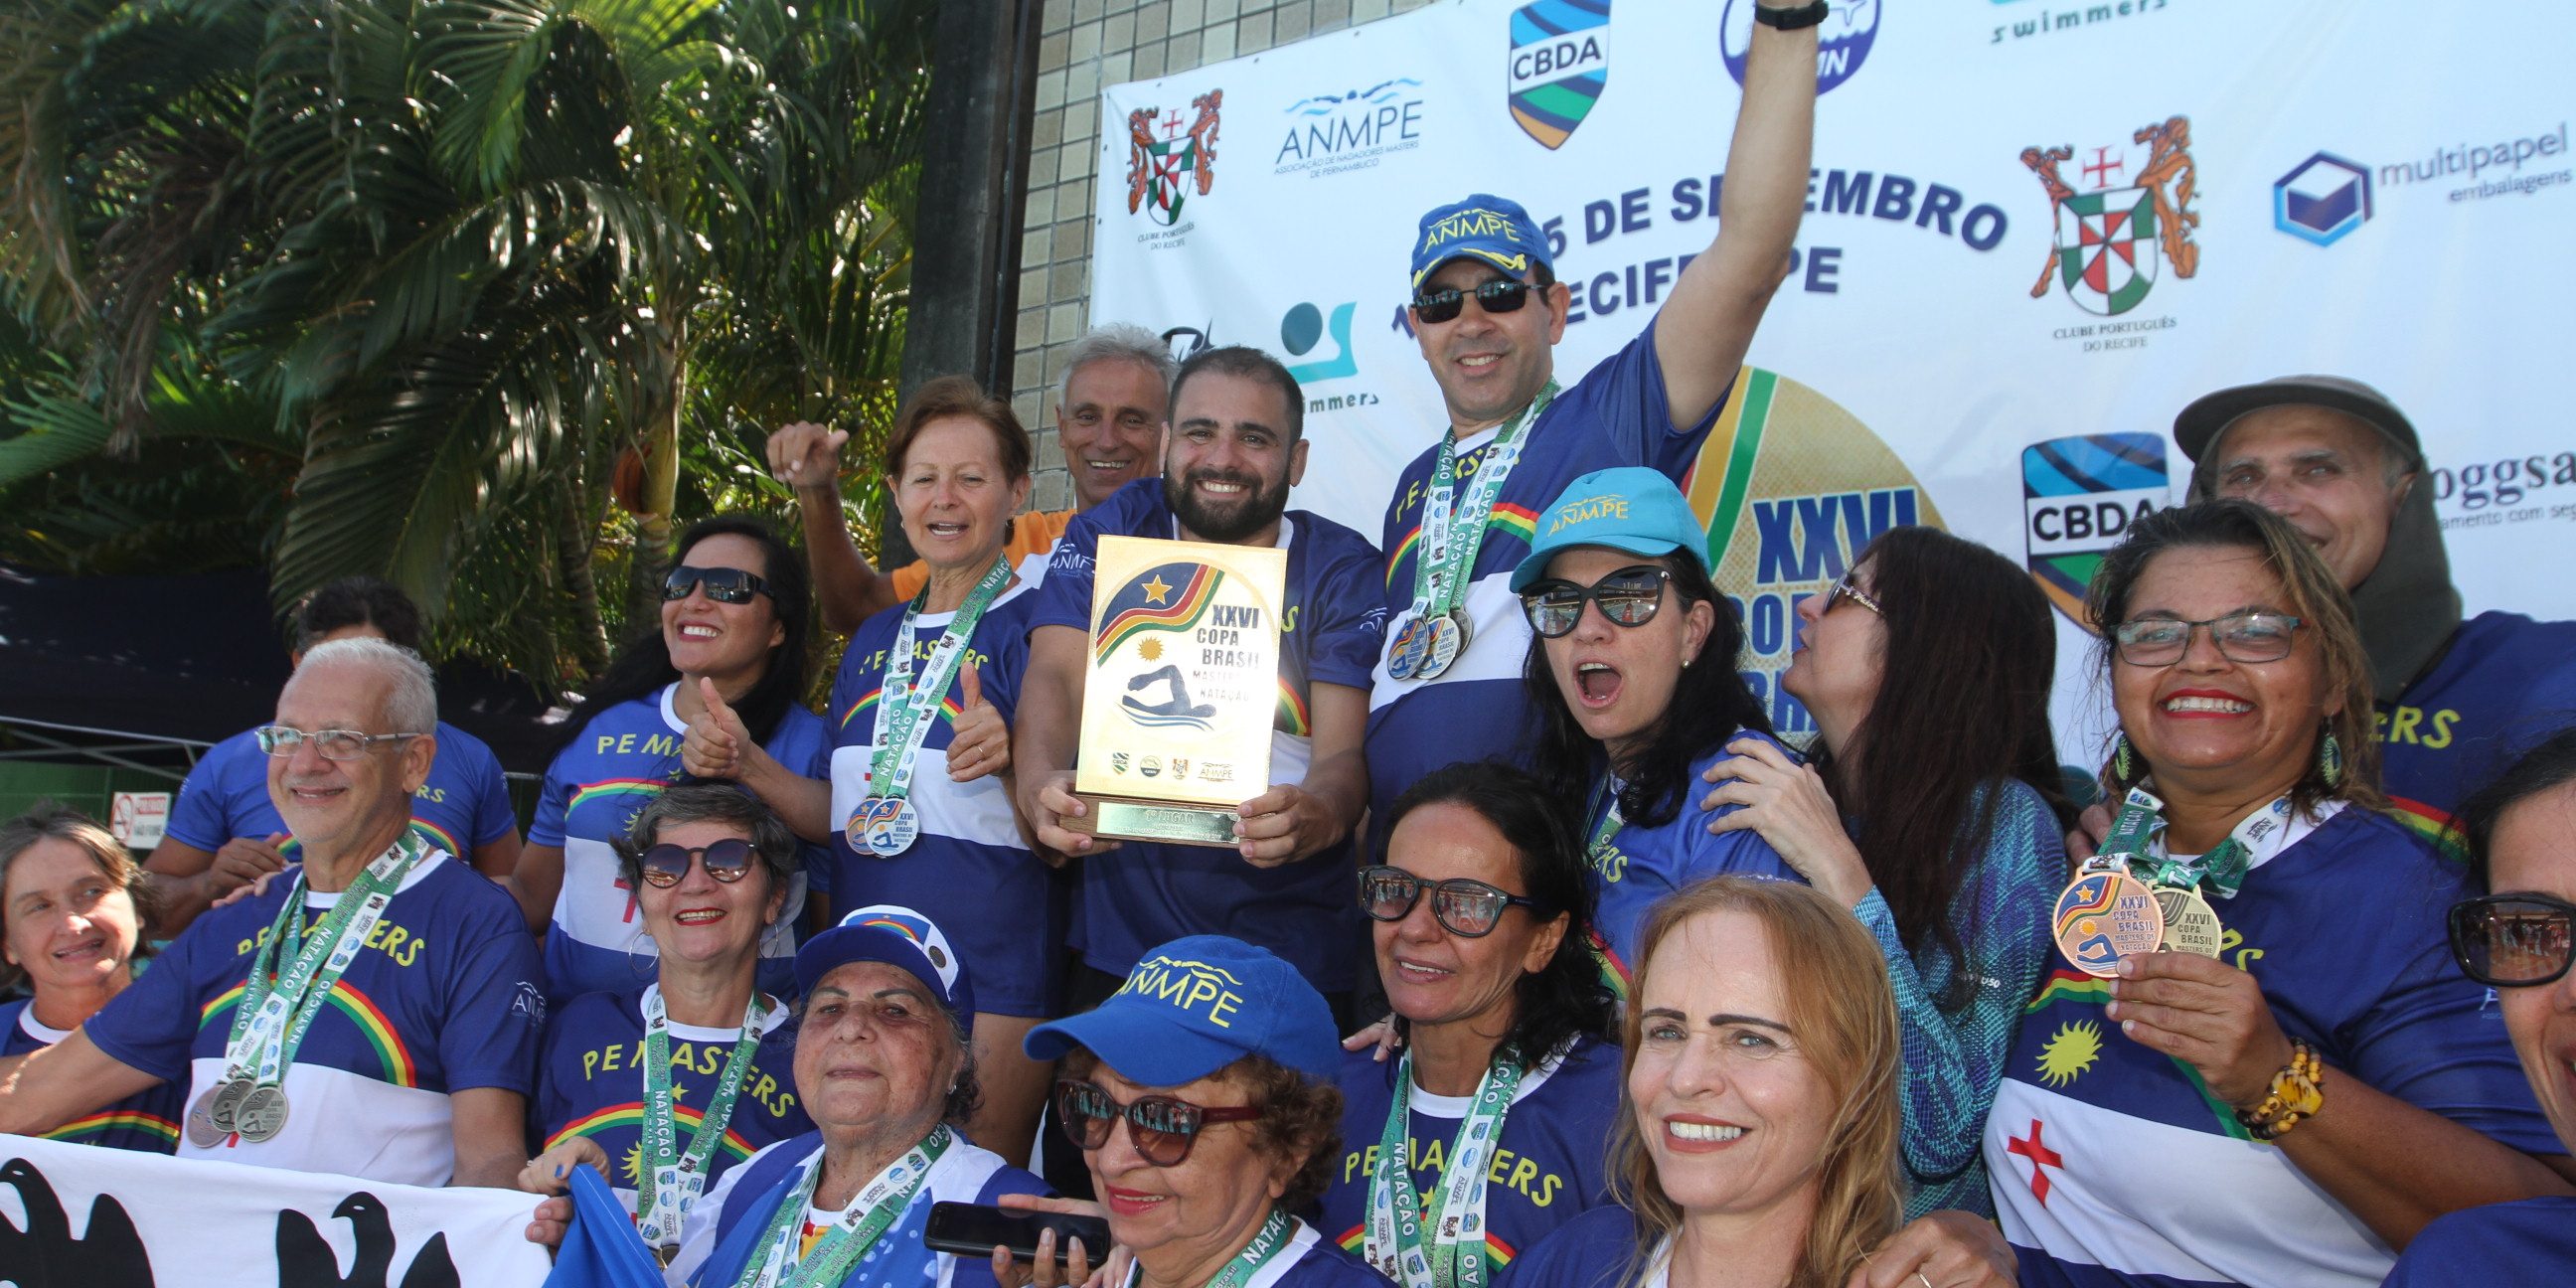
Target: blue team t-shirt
443	998
464	805
146	1122
2503	684
724	1231
597	784
1140	894
969	859
1644	864
1617	414
590	1082
2112	1165
1552	1165
2528	1244
1595	1250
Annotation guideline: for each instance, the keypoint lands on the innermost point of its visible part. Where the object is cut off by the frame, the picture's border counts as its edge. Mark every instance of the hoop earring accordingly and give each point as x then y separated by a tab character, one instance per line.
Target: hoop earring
2330	760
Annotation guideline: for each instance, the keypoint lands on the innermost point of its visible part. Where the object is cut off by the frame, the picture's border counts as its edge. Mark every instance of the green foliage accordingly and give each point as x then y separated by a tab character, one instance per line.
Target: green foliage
390	286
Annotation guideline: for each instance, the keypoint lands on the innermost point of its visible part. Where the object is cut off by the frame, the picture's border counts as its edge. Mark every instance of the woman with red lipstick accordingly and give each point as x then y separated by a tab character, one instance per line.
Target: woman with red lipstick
1482	925
1932	811
70	923
1633	668
2297	1079
665	1088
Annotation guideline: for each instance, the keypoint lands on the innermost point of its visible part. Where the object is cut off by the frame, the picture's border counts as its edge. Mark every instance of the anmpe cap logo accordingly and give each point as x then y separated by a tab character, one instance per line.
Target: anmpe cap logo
2322	199
2079	495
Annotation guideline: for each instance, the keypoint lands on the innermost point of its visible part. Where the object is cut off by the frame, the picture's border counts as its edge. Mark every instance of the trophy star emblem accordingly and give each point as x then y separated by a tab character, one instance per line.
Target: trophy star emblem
1158	591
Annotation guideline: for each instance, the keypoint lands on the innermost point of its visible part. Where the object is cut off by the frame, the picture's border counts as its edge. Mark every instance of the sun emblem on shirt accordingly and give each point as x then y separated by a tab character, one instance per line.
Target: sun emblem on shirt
635	1166
2070	1051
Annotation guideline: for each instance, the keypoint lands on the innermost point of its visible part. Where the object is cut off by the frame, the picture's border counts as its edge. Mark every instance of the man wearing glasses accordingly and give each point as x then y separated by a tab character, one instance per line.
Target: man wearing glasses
377	1015
1487	311
2338	460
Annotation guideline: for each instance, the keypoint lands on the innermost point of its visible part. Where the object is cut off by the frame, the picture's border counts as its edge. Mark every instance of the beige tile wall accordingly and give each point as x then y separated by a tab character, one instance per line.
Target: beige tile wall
1085	44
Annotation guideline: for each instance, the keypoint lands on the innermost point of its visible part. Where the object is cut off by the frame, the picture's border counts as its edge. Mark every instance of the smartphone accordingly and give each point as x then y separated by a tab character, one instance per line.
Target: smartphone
974	1229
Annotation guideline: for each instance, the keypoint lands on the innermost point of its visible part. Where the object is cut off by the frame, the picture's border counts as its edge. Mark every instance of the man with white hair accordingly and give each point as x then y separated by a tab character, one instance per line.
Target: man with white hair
377	1015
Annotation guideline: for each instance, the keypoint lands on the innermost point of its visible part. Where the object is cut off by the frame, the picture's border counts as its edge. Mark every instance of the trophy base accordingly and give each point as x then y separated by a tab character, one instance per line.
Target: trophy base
1126	819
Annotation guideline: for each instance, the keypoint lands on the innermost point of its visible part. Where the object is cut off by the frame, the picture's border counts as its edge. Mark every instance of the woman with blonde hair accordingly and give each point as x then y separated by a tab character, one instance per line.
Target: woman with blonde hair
1759	1144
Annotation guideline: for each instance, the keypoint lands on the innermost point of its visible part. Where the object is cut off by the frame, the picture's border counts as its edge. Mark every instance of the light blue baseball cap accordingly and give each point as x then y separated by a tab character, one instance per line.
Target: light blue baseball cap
1630	508
1196	1005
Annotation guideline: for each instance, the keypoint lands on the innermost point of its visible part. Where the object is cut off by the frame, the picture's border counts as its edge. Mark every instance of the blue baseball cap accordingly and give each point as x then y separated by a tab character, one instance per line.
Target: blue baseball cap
1196	1005
897	936
1484	227
1631	508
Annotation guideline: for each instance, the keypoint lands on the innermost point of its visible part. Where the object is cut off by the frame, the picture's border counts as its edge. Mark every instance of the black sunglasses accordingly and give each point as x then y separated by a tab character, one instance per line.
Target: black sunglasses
666	865
1165	1128
1465	907
1501	295
2513	940
1628	597
724	585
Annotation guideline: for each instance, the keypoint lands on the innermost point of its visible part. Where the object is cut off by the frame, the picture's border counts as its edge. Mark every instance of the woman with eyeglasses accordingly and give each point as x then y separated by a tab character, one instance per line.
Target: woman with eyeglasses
2255	1062
1931	810
733	626
667	1087
1633	670
2519	941
1201	1096
1509	1080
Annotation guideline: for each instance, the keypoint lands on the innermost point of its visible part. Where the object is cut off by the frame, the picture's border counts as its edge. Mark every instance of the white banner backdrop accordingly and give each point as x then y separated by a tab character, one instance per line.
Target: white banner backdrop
2375	188
83	1216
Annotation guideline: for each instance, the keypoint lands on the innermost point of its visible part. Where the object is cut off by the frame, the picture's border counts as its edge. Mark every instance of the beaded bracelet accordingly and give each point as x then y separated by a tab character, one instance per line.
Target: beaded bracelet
2297	1092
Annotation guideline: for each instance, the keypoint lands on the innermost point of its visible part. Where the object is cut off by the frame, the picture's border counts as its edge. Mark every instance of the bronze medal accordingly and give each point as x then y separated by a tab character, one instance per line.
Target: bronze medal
2104	917
262	1114
2190	924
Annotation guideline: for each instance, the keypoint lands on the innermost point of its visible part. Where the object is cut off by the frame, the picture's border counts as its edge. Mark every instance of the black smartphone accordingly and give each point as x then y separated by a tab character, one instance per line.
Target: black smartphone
973	1230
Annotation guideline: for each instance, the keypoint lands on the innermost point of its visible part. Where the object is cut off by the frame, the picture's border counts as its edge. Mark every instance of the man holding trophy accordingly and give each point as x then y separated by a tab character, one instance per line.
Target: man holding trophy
1208	697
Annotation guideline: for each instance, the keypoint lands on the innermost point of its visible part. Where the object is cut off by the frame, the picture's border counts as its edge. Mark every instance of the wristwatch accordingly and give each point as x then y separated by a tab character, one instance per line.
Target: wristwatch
1806	15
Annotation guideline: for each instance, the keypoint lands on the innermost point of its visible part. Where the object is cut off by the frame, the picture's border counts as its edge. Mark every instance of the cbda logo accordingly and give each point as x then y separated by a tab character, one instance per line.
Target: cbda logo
1842	41
2322	199
2078	496
1560	63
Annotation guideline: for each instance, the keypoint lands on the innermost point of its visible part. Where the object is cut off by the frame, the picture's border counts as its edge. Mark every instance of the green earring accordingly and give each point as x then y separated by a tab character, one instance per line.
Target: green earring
2120	759
2330	760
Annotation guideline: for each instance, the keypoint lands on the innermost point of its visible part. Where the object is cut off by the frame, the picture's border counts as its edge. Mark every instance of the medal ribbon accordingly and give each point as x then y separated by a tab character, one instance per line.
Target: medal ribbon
2137	840
673	1180
1456	1258
904	708
1267	1243
276	1012
878	1204
1452	535
1610	822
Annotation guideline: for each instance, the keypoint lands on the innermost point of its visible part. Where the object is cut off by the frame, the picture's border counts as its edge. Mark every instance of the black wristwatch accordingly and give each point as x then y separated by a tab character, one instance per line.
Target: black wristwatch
1792	19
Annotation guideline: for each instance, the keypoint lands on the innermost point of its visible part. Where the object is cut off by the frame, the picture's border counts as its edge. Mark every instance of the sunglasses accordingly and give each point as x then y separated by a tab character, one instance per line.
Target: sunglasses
2241	637
1628	597
1847	586
1464	907
1501	295
2512	940
723	585
666	865
334	744
1163	1128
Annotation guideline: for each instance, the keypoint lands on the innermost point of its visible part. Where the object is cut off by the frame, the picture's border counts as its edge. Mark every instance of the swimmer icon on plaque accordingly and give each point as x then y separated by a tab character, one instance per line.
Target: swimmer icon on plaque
1177	713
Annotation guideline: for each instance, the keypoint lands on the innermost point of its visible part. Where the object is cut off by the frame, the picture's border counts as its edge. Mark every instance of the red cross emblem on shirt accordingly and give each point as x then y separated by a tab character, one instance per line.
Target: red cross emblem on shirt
2041	1158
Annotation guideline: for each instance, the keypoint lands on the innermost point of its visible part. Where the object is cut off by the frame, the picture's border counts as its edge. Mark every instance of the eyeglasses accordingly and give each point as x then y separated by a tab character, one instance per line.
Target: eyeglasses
1463	906
666	865
1164	1128
2512	940
1501	295
724	585
334	744
1847	586
2241	637
1628	597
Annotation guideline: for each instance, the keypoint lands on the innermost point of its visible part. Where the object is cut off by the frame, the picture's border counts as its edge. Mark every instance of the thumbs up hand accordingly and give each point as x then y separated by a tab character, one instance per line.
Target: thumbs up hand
715	745
979	743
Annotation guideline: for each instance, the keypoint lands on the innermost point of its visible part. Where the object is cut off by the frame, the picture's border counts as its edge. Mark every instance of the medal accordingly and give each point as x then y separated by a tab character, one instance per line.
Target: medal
202	1131
262	1114
2190	925
831	1258
1404	651
224	1104
1450	537
1451	1253
2104	917
884	826
1446	639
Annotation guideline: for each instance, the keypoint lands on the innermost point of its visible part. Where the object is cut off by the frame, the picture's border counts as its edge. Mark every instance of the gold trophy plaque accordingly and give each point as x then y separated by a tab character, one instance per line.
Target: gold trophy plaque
1183	688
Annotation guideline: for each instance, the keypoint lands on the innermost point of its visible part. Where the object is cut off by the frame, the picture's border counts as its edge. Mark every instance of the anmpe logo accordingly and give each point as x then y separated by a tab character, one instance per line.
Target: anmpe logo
2078	496
1560	63
2322	199
1842	41
1334	133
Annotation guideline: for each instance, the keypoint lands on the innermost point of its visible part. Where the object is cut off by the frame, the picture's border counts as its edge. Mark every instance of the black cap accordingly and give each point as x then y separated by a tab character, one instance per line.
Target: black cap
2200	423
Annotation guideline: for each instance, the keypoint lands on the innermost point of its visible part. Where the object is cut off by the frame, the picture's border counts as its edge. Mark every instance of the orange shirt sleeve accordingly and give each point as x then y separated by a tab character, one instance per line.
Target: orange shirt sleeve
909	579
